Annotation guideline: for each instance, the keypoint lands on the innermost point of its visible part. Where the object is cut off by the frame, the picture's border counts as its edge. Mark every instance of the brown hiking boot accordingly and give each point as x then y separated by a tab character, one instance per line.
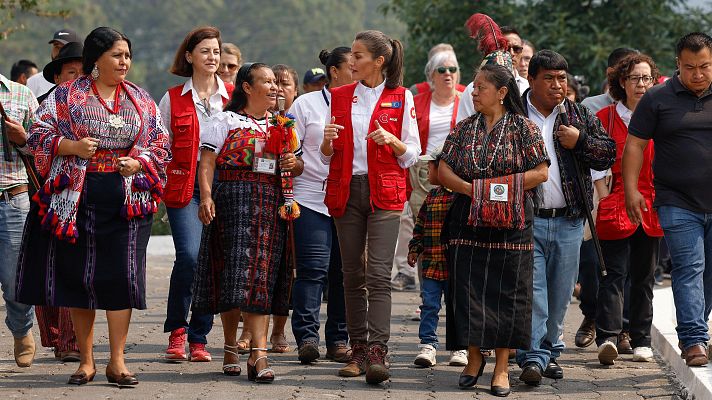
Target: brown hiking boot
357	364
377	370
339	353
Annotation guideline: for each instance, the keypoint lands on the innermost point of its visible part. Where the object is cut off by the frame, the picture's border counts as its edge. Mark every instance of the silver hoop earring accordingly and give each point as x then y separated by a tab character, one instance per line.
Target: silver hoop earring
95	73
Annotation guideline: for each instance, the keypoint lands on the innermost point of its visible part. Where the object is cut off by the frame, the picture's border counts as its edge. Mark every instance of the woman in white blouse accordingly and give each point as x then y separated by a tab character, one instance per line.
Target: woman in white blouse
318	255
369	142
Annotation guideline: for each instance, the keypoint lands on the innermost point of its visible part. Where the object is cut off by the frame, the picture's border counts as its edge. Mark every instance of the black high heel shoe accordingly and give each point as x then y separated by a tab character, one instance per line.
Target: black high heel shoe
469	380
265	375
500	391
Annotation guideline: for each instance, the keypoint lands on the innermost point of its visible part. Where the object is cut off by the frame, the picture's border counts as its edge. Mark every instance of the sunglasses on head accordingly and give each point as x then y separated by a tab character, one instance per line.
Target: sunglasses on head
442	70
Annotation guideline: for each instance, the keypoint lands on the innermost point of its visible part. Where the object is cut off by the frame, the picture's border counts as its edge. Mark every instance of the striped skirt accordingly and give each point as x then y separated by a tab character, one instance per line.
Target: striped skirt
490	282
105	269
241	259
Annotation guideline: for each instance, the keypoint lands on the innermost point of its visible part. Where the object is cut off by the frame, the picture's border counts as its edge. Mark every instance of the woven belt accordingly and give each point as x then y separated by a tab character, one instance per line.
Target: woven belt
106	160
245	175
551	212
8	194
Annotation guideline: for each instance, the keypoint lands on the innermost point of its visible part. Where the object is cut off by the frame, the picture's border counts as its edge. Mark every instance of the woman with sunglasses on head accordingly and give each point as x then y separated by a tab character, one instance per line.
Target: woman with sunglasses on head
369	141
629	249
240	263
185	109
318	255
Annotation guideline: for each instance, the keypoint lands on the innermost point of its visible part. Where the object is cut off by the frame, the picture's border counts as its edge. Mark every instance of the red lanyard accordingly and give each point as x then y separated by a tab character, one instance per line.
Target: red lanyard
258	125
115	110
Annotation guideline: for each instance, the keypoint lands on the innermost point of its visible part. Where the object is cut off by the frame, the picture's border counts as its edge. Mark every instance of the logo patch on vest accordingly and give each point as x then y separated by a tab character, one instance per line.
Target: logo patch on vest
383	118
388	104
354	99
412	112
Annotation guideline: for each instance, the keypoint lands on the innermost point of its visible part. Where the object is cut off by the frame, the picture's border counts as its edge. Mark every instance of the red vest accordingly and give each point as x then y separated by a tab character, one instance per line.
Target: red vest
612	221
186	140
387	180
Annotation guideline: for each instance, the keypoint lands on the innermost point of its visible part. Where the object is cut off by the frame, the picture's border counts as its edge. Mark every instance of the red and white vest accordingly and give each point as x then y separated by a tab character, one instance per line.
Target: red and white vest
186	140
386	178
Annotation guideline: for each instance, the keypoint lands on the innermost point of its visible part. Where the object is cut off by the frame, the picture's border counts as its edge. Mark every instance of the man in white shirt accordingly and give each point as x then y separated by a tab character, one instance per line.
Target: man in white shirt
37	83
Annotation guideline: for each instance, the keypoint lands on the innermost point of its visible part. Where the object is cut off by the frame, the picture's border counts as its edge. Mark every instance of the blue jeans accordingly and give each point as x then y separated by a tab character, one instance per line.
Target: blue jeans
431	291
689	239
556	258
318	261
13	213
187	230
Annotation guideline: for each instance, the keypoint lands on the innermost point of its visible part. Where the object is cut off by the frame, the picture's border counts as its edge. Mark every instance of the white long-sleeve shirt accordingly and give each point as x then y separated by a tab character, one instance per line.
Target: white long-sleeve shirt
365	101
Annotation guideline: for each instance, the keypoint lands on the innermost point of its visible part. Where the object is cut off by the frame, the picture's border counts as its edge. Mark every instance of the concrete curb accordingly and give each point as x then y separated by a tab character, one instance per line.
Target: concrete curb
698	380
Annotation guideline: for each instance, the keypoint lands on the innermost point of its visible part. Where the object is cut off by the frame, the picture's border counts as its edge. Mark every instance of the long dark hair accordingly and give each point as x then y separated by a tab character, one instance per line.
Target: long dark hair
98	42
238	101
333	59
500	77
379	44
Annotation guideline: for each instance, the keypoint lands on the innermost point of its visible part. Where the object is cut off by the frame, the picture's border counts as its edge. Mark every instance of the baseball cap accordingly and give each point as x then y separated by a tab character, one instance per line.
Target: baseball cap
65	36
433	156
314	75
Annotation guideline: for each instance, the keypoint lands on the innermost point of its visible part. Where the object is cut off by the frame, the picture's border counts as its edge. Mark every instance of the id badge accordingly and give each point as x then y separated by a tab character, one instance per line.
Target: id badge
499	192
264	162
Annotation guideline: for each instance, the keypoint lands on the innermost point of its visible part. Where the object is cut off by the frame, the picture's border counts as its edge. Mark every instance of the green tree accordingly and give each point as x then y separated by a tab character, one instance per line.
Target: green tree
583	31
9	9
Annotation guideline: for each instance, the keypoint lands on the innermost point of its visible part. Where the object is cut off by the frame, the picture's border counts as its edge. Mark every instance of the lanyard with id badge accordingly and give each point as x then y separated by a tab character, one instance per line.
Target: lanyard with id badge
264	162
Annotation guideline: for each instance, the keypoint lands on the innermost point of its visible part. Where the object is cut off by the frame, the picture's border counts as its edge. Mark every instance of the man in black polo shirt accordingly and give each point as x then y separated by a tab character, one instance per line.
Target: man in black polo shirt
677	116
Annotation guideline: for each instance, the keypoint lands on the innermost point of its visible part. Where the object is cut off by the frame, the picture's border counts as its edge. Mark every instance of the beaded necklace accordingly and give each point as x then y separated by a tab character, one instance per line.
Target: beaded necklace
483	154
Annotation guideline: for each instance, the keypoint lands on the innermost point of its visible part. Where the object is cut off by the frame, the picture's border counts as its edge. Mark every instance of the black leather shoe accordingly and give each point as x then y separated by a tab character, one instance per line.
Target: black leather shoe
81	378
586	333
500	391
553	370
623	345
121	380
469	380
531	374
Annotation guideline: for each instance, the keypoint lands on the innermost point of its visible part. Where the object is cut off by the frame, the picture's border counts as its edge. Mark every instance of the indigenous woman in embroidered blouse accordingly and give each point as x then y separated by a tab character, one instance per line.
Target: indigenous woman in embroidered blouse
492	160
185	109
240	264
371	139
102	149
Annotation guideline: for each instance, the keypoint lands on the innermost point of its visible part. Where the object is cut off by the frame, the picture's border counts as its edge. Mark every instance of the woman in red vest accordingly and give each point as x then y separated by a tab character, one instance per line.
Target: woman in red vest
184	109
371	141
628	249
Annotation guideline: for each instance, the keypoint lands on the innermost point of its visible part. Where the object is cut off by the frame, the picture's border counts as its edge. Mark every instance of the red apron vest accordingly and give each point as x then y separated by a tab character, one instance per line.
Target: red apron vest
612	221
186	140
387	180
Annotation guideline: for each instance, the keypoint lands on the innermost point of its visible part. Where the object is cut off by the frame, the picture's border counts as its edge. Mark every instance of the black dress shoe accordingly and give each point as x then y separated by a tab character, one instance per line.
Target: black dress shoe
553	370
623	345
500	391
586	333
81	378
466	381
531	374
121	380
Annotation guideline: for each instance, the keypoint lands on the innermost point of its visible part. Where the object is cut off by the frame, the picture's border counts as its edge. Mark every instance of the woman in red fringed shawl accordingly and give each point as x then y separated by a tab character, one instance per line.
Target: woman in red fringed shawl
101	149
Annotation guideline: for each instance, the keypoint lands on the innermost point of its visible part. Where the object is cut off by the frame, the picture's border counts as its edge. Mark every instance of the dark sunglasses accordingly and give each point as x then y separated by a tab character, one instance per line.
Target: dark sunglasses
442	70
516	49
230	67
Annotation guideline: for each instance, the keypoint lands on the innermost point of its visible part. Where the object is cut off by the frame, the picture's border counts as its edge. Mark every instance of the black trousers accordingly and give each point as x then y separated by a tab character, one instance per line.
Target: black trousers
634	257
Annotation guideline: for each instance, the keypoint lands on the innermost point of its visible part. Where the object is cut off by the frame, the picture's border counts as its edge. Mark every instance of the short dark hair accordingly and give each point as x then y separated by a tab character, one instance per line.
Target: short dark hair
547	59
99	41
506	30
181	66
333	59
695	42
500	76
623	68
21	67
238	101
618	54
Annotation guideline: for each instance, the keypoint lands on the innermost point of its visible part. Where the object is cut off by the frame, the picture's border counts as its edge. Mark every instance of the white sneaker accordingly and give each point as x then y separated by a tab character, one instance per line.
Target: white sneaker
426	357
607	353
643	354
458	358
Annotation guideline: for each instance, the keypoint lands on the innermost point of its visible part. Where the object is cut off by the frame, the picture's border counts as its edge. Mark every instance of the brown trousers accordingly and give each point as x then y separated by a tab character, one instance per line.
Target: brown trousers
367	277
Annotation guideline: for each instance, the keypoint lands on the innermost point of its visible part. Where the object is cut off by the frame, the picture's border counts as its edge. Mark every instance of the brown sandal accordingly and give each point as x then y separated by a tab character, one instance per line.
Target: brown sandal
280	345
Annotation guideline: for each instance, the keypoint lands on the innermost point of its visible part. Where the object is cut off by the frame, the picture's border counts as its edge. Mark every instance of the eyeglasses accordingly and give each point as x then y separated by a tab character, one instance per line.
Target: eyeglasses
230	67
442	70
646	79
515	49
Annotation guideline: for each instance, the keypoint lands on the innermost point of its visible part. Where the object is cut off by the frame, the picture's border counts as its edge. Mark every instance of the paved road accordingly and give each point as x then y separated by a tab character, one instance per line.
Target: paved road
584	377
